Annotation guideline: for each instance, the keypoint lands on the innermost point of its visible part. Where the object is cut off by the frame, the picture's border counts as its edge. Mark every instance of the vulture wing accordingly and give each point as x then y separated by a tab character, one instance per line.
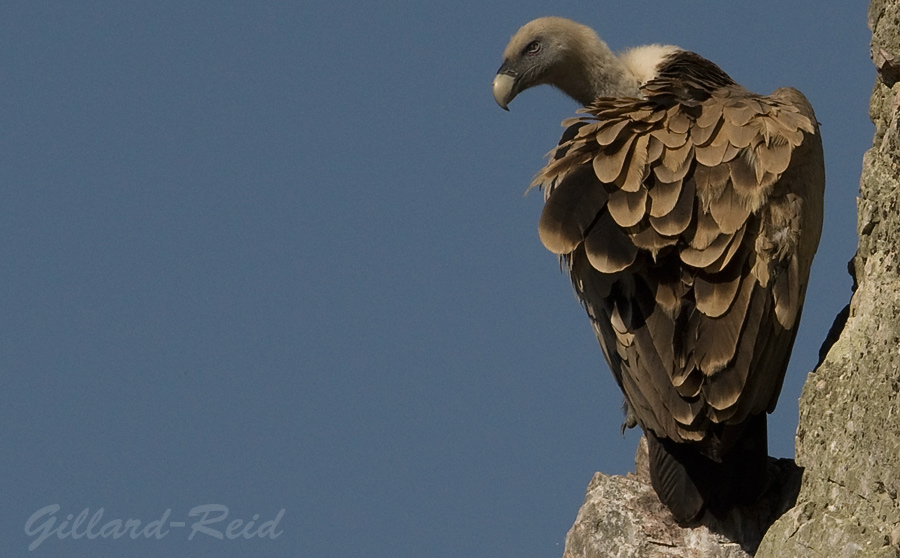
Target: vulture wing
688	221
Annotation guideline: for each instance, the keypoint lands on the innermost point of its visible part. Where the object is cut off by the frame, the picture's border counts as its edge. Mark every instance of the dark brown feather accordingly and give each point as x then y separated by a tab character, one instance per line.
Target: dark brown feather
570	209
694	268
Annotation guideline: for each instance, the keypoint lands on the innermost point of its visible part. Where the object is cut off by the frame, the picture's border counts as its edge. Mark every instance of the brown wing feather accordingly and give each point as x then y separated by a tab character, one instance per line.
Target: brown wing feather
568	213
688	225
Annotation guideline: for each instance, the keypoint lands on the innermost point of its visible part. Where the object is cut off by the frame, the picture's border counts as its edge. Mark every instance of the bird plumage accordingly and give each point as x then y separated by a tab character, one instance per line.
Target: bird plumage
686	211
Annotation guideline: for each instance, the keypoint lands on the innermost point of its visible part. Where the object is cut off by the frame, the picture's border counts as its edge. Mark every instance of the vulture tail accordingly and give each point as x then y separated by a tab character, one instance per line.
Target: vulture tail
689	483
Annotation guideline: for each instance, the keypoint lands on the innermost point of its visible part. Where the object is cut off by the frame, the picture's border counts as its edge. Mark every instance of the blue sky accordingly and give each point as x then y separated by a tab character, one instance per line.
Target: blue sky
276	256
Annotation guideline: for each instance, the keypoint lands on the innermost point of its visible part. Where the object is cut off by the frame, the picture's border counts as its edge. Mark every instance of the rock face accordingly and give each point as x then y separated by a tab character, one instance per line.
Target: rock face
848	440
622	517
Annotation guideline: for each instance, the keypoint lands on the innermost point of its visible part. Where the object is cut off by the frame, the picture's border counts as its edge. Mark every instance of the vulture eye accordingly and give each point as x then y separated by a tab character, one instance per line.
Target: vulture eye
532	48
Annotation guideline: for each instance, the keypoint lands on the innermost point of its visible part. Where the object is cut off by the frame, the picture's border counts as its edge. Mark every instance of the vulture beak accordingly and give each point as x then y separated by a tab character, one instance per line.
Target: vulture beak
505	86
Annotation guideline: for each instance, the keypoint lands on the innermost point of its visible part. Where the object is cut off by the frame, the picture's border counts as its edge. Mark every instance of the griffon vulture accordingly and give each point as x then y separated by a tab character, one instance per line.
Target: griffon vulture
686	210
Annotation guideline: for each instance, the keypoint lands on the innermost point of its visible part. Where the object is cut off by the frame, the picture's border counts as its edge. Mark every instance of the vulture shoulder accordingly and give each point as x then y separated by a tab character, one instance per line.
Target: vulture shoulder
687	220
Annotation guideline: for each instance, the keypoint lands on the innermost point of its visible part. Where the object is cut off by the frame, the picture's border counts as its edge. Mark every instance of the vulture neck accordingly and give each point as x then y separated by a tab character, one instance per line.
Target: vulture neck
593	71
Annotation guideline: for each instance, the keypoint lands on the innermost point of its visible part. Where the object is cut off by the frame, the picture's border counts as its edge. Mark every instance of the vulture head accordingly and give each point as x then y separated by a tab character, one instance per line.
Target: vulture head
565	54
